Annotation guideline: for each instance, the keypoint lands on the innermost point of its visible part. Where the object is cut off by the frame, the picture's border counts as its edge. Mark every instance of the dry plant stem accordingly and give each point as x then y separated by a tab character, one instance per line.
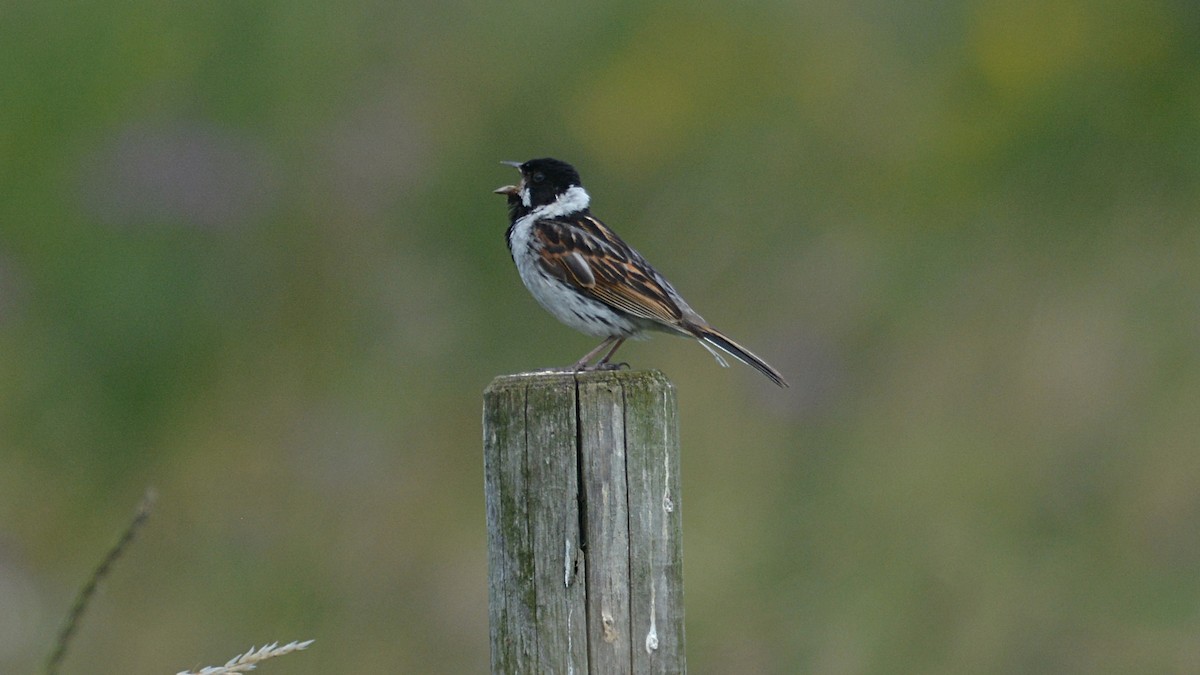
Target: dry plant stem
85	595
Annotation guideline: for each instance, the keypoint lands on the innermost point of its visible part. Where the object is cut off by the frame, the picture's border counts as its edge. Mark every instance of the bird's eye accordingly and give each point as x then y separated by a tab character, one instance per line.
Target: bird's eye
539	177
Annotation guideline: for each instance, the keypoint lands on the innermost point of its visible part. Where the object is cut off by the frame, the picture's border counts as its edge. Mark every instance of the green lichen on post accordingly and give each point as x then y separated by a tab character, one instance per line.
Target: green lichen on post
511	603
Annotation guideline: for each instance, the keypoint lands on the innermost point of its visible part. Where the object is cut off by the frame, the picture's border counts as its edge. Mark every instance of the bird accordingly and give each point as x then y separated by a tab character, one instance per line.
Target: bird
580	271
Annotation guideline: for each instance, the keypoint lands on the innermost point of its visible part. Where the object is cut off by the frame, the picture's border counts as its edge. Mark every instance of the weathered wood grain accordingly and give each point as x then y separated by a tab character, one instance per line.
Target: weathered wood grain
585	549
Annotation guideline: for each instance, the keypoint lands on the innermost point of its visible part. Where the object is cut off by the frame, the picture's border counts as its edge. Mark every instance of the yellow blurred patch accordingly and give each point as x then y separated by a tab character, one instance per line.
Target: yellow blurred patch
657	92
1022	44
1026	45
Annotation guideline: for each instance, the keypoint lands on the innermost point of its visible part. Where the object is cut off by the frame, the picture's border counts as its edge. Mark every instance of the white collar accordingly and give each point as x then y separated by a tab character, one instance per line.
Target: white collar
573	200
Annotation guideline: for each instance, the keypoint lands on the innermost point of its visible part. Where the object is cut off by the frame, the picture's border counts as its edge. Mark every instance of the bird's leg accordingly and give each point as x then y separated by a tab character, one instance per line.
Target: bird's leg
582	364
603	363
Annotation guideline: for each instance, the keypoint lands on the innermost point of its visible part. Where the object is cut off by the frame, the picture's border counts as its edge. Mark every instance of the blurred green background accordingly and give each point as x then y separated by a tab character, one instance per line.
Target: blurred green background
249	255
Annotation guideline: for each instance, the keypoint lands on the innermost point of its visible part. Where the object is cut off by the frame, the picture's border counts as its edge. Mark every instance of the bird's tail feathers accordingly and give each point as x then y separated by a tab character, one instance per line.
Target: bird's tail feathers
710	337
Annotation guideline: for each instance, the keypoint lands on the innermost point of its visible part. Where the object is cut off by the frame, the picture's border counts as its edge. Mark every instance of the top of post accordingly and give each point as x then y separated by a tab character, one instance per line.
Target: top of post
645	378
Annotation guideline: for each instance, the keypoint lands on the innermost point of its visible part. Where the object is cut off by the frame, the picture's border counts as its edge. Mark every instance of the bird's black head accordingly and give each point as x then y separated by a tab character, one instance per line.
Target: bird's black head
547	178
542	182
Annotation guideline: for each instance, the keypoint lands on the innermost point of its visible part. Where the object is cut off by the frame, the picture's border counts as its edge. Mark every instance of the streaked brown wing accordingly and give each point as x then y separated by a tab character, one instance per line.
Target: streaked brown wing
585	253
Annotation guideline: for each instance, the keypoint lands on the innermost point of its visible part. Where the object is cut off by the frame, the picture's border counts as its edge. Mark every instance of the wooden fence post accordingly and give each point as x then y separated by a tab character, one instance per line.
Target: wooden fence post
585	558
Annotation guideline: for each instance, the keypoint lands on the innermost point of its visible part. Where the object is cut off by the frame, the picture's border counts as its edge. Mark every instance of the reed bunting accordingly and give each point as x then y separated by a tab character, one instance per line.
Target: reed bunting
581	272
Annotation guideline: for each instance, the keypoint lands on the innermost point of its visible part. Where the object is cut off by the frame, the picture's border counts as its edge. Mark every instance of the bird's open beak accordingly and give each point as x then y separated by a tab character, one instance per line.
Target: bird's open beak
510	190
